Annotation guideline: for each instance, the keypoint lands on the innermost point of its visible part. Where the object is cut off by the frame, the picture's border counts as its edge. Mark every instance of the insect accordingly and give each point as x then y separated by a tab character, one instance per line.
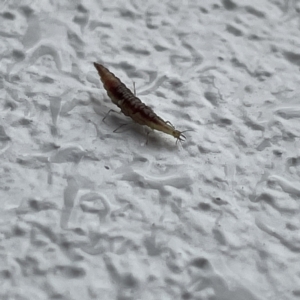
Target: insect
132	106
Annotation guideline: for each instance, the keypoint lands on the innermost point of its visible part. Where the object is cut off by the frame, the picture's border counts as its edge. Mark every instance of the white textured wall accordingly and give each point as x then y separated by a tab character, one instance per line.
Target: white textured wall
87	213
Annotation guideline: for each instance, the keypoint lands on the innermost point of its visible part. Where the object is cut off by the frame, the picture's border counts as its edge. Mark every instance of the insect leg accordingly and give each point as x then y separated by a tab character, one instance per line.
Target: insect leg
111	110
147	137
124	124
168	122
148	133
119	127
134	91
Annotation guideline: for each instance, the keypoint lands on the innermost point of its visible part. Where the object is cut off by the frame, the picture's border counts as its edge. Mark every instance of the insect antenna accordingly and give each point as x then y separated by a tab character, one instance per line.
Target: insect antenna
187	130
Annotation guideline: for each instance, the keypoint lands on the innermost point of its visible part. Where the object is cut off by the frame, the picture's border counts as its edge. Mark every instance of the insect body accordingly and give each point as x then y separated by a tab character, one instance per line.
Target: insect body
132	106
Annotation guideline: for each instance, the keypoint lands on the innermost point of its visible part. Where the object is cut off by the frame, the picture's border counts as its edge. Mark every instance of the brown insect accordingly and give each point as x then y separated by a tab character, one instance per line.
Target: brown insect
132	106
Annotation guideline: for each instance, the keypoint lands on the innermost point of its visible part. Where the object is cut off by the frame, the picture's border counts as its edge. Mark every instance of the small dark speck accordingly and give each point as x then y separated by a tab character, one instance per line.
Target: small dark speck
293	161
6	274
216	6
127	13
151	278
255	12
142	159
254	37
200	263
220	58
57	296
15	78
66	245
249	89
262	74
234	30
27	11
277	152
8	15
176	83
82	9
19	55
160	48
211	97
131	49
202	150
296	292
79	20
46	79
19	231
79	231
126	66
25	122
130	281
225	121
186	296
291	226
204	206
274	49
43	107
228	4
72	271
204	10
292	57
106	167
219	201
34	204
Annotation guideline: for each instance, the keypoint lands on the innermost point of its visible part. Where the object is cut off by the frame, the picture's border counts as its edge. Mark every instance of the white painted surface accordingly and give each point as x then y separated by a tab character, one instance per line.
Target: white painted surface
91	214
